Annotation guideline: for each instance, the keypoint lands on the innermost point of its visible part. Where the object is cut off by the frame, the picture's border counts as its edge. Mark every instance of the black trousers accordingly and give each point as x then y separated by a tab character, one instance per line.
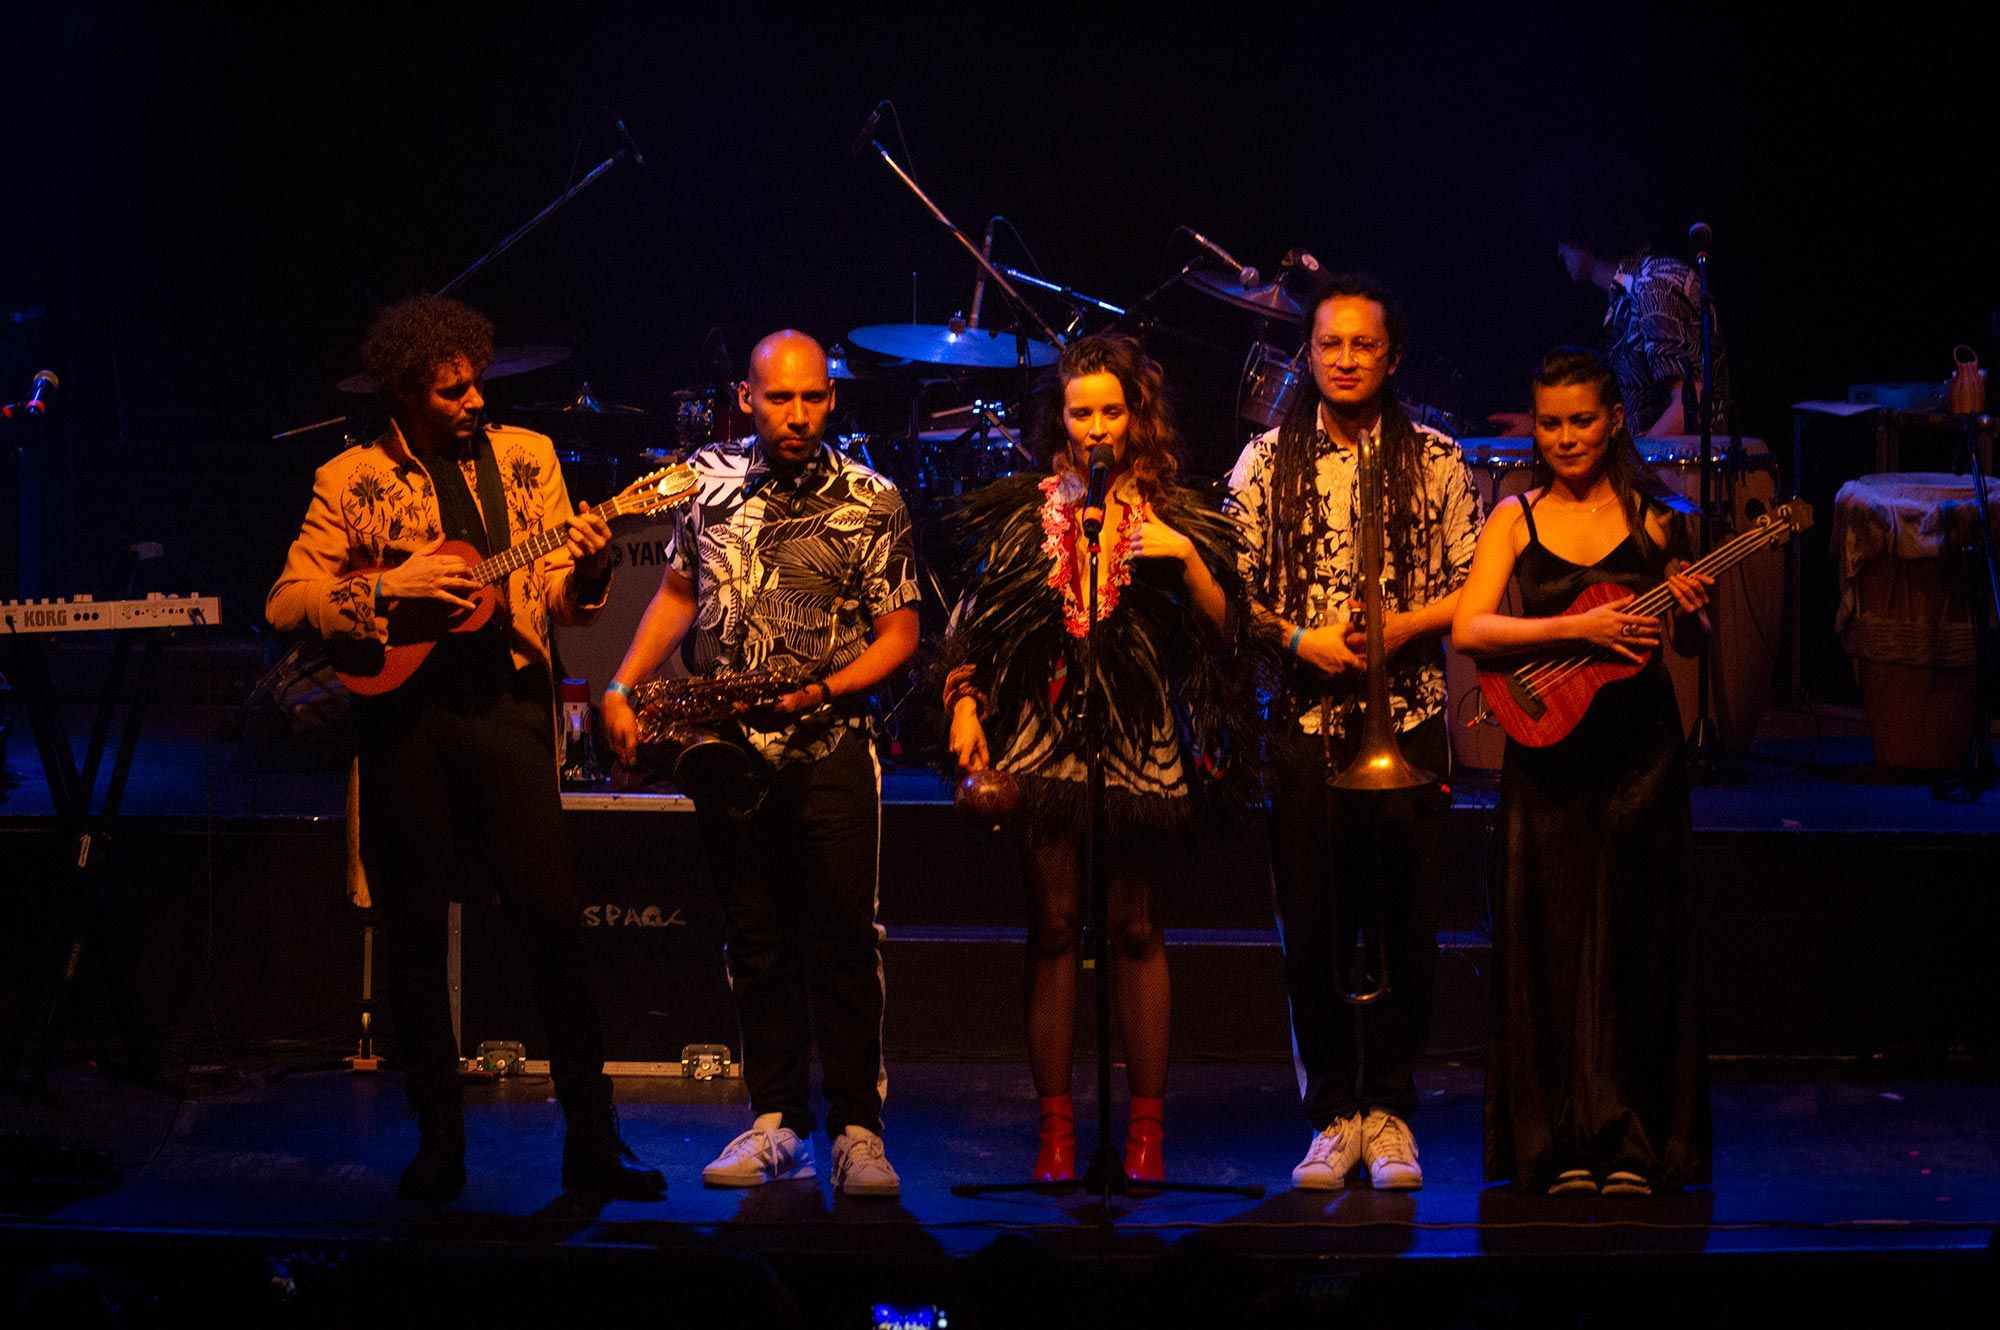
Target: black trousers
458	799
797	877
1382	857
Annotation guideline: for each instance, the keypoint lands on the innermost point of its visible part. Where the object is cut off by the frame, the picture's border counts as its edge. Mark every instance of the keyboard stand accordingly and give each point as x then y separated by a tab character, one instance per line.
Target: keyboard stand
44	994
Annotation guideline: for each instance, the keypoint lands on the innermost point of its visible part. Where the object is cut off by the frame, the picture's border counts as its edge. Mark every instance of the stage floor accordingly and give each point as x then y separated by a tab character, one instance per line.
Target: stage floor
1810	1158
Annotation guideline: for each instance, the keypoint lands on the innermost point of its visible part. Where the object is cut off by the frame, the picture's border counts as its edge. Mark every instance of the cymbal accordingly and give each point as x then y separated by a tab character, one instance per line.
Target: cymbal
507	361
586	402
1270	299
941	344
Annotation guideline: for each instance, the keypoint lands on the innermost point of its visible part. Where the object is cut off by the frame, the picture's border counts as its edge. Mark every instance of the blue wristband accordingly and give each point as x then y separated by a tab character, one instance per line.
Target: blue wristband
380	606
1292	646
623	690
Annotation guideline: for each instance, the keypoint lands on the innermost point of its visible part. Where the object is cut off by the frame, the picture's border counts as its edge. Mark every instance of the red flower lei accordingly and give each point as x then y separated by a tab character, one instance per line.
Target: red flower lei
1059	521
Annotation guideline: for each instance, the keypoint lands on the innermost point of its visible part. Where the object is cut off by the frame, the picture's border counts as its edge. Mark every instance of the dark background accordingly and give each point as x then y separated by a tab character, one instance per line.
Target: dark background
209	200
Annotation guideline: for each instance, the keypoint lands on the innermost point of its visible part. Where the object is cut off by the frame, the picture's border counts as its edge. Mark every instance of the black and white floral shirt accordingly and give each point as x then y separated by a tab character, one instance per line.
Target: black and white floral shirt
1451	510
791	574
1652	338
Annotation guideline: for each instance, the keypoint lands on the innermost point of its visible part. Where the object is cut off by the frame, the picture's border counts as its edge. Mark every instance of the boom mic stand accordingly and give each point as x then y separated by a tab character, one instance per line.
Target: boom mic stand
1704	740
1105	1174
627	151
994	274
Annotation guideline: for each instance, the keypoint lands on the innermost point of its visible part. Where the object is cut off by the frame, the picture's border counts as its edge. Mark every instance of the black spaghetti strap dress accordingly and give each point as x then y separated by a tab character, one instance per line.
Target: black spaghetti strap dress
1598	1061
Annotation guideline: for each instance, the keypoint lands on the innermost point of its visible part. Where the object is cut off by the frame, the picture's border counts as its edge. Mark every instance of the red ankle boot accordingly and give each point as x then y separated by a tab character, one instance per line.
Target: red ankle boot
1055	1161
1144	1161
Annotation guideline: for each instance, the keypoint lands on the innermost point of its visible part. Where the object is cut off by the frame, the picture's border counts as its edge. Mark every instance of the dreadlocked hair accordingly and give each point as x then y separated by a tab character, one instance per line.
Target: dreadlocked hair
1152	443
1569	365
1297	512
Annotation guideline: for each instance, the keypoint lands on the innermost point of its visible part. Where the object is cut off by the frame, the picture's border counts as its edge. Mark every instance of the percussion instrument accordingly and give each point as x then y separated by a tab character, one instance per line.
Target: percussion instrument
1269	299
949	344
1905	616
507	362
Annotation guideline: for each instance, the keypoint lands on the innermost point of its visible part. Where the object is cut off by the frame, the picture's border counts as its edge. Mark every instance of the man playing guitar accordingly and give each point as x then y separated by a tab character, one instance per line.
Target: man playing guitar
457	766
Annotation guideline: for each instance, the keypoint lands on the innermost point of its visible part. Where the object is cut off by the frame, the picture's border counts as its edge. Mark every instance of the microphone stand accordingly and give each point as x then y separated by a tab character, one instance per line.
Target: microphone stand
993	273
1704	741
520	233
1105	1174
506	243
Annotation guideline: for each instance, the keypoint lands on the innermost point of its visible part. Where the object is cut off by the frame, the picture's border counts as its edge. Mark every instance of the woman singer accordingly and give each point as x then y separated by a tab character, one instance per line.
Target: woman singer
1160	682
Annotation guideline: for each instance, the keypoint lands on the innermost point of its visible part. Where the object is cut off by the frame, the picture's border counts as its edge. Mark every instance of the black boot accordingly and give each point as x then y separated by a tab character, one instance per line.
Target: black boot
596	1158
437	1174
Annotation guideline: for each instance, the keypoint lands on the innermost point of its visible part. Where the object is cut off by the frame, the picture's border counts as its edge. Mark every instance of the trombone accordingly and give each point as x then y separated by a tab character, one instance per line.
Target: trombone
1378	766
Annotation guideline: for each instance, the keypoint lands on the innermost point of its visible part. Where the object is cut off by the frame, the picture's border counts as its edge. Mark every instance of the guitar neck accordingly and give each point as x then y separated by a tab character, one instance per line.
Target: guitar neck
516	557
1716	562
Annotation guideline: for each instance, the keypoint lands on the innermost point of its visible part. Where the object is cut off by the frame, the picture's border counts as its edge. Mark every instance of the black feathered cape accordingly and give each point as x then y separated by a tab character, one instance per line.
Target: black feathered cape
1011	627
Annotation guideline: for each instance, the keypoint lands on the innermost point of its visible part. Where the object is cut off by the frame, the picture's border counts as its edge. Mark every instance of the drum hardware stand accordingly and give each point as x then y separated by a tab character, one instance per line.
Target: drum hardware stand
627	151
1105	1174
1980	773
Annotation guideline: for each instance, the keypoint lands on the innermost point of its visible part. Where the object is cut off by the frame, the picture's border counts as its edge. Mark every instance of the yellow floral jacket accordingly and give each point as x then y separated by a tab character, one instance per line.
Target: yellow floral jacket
375	505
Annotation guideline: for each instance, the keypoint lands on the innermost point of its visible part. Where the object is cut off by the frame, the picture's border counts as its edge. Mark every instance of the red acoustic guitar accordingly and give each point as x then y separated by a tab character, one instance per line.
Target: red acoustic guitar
1540	700
415	626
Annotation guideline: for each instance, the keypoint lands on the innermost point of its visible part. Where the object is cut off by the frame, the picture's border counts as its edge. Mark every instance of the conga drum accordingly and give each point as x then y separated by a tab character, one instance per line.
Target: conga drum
1500	467
1905	612
1746	613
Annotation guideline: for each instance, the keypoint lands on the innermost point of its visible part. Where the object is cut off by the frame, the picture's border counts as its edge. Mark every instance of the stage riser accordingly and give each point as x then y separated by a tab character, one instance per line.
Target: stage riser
1812	944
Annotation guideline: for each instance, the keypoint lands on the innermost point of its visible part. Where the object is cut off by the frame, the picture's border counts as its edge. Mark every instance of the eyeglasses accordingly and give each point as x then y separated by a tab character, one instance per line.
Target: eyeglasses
1365	350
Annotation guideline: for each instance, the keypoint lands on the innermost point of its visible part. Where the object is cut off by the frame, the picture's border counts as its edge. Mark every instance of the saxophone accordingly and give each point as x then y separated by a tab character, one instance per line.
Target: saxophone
678	720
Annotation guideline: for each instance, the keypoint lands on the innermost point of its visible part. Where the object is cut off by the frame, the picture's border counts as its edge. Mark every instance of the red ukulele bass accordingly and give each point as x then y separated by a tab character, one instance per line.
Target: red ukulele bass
1540	700
371	668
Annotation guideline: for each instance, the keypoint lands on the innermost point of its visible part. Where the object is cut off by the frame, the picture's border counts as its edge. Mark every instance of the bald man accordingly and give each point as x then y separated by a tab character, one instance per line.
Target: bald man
793	557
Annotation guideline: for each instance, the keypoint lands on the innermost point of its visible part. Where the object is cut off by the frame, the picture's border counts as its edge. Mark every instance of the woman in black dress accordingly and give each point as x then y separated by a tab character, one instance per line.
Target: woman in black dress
1597	1078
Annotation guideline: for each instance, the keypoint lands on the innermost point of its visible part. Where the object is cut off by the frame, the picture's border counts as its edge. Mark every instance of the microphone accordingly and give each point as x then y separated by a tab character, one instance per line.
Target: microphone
631	148
1093	502
979	283
1246	275
867	129
45	385
1701	237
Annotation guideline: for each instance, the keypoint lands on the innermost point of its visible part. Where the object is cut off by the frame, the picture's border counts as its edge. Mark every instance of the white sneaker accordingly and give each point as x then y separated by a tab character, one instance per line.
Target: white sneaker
1390	1152
860	1168
1331	1157
765	1153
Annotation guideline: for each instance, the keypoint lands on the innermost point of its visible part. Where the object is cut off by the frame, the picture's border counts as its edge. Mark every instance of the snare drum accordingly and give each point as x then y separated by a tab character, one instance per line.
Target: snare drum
1272	381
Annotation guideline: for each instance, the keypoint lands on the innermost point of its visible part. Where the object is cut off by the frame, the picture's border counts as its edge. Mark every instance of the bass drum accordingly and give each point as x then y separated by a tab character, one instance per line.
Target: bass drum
1746	613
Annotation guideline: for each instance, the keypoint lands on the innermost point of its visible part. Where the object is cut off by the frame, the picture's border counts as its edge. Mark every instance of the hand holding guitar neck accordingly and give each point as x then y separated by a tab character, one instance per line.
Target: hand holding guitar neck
588	535
430	575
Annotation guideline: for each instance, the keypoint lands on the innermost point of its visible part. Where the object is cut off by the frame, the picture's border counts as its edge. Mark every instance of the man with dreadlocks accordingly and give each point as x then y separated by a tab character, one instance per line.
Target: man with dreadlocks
1295	489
